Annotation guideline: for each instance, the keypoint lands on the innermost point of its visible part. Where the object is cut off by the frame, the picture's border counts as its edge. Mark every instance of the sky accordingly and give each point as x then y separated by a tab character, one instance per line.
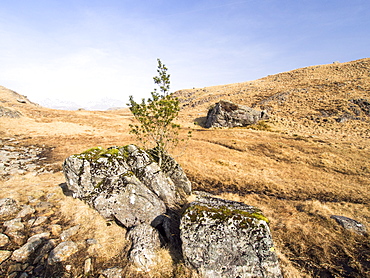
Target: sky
95	54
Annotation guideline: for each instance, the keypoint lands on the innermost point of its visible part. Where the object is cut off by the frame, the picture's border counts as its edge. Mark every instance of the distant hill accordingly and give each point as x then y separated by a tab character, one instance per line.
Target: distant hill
313	99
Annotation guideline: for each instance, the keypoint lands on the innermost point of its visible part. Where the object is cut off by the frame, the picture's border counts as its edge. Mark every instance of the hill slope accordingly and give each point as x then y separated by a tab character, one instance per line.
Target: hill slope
319	99
313	164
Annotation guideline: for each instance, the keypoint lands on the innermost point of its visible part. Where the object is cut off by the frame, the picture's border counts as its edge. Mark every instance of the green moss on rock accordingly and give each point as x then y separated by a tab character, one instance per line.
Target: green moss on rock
93	154
198	213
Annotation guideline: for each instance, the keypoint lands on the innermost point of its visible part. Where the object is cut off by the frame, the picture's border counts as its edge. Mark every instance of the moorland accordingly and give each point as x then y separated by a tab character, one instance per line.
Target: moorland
310	160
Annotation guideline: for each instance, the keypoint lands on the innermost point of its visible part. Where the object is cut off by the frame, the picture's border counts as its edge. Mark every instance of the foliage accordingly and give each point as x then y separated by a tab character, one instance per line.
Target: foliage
155	115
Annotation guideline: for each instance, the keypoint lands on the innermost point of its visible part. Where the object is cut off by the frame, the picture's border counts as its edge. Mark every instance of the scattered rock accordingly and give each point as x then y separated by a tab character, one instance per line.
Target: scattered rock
22	254
62	252
9	113
227	239
350	224
364	105
145	244
228	114
26	211
8	207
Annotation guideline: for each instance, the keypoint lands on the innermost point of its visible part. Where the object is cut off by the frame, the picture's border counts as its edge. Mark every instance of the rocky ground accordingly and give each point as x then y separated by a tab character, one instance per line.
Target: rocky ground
18	159
36	240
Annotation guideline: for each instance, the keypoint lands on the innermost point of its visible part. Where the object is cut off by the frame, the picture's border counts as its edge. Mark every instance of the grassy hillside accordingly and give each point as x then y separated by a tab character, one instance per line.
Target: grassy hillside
311	160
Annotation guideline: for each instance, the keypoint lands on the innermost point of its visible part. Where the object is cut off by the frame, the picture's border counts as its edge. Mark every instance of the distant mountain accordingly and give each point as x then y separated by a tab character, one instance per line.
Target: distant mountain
103	104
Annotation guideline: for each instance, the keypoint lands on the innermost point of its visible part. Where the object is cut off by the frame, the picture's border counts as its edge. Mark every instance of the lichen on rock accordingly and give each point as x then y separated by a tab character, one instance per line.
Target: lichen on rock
222	238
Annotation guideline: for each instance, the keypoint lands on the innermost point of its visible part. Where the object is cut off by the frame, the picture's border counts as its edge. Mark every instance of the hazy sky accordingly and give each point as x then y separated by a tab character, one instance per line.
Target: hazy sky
90	51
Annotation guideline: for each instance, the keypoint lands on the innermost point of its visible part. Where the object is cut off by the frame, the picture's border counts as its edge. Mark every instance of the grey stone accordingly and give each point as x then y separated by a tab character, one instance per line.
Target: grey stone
222	238
22	254
39	220
228	114
145	243
350	224
62	252
26	211
13	225
114	272
69	232
91	241
8	207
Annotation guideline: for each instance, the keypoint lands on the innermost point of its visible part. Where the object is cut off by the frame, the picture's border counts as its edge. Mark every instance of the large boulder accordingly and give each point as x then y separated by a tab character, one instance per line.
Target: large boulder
228	114
122	183
222	238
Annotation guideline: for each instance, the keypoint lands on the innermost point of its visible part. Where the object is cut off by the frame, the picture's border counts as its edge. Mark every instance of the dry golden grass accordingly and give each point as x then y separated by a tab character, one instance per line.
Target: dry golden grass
307	168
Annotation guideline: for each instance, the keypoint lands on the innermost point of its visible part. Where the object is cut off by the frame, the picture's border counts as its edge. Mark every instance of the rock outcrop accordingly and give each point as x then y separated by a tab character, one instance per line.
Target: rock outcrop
123	183
223	238
126	184
228	114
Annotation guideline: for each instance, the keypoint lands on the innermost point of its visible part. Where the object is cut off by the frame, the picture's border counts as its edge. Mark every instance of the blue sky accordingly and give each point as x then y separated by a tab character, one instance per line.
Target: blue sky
93	52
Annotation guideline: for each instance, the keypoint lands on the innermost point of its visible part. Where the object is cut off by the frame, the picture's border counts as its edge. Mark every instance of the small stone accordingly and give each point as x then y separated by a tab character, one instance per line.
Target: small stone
37	230
4	255
4	240
17	237
26	211
39	220
43	206
23	275
114	272
31	221
69	232
55	229
13	275
91	241
14	225
22	254
88	266
15	268
68	267
62	252
8	207
38	269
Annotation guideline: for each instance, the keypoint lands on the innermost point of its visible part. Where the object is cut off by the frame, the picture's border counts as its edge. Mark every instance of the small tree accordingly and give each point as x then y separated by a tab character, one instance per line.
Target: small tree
156	130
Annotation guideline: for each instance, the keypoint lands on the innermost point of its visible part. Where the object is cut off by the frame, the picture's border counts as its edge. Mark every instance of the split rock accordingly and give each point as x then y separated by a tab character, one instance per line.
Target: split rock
122	183
145	244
